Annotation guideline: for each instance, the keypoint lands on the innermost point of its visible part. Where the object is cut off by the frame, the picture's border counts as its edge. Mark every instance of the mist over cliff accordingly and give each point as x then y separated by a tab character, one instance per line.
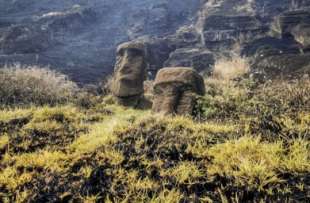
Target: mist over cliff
80	37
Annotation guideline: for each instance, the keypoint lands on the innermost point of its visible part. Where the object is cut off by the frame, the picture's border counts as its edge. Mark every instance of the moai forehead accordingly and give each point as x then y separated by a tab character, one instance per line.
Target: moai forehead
139	47
180	76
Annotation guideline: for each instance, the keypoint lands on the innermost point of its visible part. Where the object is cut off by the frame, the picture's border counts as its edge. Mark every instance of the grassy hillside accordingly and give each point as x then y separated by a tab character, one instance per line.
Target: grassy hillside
248	142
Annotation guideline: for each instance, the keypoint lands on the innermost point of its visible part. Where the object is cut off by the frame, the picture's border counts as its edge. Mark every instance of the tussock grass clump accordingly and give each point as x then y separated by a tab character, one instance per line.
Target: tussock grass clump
34	85
227	69
262	170
46	127
234	99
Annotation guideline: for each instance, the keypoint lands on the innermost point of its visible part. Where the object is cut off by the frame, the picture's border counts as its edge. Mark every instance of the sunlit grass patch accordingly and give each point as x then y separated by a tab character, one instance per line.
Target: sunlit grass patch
47	127
252	146
54	161
248	160
14	119
10	114
11	179
180	122
256	164
53	119
22	169
60	114
4	140
101	133
168	196
186	173
297	160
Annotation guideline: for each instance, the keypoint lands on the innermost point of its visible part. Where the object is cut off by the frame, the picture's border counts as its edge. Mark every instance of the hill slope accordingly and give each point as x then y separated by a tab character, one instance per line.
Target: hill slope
254	146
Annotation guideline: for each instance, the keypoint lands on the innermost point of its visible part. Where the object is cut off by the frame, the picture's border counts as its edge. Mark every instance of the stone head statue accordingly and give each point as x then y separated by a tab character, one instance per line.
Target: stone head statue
176	90
129	72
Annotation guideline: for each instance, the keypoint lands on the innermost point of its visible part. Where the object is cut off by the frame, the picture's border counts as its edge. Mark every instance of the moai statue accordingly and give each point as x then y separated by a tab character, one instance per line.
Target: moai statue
176	90
129	74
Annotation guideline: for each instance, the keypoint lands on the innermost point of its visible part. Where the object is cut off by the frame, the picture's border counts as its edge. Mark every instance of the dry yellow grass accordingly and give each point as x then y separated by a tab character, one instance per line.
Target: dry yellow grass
230	68
250	144
32	84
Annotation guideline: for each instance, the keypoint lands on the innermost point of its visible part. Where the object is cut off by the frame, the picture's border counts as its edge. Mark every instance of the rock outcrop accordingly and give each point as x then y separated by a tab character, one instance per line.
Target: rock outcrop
176	90
199	59
283	66
80	37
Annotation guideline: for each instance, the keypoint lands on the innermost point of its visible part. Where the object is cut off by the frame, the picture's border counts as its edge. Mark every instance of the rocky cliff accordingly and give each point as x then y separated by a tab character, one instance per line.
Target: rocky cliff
80	37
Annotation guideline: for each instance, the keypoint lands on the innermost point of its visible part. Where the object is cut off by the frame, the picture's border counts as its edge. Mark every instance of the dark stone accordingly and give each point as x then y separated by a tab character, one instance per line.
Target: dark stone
79	38
283	66
199	59
176	90
129	73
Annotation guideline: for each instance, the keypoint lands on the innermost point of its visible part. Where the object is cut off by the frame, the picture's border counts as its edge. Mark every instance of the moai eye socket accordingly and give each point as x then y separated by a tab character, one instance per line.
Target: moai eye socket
135	52
120	52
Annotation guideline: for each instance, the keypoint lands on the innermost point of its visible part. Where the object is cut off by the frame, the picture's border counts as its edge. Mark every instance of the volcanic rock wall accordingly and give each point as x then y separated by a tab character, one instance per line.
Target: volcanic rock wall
79	37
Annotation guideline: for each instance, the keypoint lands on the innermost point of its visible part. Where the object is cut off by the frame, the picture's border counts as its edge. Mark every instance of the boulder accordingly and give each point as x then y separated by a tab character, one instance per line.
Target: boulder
176	90
223	31
129	73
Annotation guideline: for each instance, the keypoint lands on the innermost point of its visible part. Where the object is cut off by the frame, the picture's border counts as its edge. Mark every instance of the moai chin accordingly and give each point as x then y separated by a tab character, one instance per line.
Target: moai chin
129	73
176	90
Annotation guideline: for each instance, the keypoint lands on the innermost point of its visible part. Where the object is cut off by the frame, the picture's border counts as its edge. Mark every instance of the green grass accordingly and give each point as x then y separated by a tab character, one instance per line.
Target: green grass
250	142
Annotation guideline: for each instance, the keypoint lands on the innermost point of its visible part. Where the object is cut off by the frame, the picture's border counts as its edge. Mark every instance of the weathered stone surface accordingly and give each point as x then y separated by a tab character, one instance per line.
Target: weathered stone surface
289	20
80	37
176	90
270	46
301	34
129	73
199	59
221	31
283	66
83	35
24	40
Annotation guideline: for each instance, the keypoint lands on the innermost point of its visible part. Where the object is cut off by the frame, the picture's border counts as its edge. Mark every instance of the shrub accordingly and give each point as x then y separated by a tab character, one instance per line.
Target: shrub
230	99
231	68
34	85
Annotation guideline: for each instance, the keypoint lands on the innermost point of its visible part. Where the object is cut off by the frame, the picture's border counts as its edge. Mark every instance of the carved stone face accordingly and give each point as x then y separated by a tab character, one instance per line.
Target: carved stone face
176	90
130	67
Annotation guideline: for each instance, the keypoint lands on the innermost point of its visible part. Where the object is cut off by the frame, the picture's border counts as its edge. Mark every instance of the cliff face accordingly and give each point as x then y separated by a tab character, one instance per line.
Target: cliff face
79	37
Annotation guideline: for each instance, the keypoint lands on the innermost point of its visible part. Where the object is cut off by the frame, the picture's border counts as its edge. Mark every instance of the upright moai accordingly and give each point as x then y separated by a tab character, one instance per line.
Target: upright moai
129	73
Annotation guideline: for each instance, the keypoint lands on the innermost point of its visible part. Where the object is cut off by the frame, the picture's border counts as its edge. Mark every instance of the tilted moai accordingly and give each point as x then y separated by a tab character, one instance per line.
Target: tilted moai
129	73
176	90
